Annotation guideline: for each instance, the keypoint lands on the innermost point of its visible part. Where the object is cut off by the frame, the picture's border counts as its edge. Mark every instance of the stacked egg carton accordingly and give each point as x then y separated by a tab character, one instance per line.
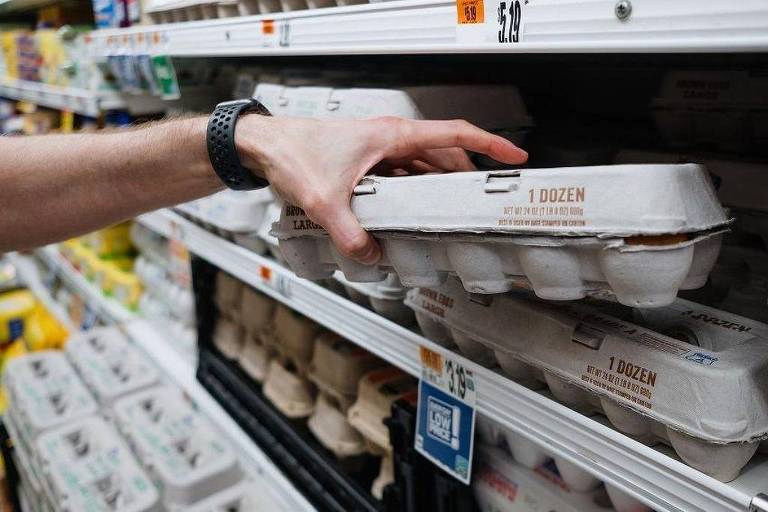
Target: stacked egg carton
87	466
650	385
180	448
228	333
235	215
560	232
376	392
44	392
336	368
287	384
513	482
109	365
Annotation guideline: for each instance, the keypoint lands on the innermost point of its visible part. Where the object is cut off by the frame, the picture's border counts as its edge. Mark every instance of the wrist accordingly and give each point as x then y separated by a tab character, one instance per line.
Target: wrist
251	135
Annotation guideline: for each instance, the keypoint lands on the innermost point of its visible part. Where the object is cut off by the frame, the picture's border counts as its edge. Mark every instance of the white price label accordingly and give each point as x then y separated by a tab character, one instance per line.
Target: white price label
509	21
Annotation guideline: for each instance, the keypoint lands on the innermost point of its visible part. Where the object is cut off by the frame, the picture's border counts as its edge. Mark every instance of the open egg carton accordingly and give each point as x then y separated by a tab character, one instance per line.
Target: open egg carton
636	233
181	449
235	215
502	482
109	364
44	392
87	466
649	383
377	391
337	367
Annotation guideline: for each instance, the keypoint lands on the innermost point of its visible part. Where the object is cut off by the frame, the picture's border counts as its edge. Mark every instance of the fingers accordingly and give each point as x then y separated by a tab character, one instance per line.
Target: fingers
425	135
348	236
451	159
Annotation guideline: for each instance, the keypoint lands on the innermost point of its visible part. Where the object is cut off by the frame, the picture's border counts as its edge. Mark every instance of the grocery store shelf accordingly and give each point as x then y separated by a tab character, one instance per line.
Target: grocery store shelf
80	101
106	308
287	497
653	477
30	276
430	26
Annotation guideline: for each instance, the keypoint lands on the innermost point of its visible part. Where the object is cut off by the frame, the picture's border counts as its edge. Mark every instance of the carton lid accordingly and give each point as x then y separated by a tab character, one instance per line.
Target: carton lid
615	200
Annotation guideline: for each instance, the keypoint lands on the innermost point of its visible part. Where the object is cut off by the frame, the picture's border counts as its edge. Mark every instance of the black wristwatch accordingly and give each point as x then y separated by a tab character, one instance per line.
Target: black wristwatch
221	144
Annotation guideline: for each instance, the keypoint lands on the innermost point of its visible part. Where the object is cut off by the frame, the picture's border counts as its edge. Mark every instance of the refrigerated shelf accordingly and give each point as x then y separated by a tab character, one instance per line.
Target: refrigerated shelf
430	26
658	480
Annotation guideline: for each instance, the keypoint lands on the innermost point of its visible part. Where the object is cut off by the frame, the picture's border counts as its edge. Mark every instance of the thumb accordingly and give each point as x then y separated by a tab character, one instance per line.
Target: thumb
349	237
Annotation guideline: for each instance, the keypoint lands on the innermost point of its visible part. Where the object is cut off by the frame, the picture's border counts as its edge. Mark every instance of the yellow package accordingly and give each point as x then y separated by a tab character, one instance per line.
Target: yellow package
15	309
112	241
68	248
126	288
44	331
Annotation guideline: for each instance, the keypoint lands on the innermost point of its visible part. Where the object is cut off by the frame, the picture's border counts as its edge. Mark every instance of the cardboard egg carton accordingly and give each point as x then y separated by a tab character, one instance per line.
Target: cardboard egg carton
695	395
228	296
292	337
258	311
271	216
491	107
87	466
337	367
233	214
109	364
44	392
502	483
181	449
254	358
384	297
243	497
288	390
640	233
228	337
329	424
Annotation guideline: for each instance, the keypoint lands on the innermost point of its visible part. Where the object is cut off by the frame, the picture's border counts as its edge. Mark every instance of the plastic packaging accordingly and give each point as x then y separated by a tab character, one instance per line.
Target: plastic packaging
180	447
109	364
697	395
561	232
87	466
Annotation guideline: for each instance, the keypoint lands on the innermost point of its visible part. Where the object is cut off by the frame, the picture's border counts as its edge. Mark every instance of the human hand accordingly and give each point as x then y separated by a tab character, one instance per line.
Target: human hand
316	164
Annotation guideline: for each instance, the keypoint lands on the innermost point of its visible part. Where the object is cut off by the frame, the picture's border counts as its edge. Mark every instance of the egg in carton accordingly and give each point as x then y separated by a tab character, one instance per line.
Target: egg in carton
181	448
695	395
636	233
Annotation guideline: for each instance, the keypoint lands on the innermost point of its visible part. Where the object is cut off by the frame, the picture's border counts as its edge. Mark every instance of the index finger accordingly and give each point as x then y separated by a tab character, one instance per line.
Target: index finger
423	135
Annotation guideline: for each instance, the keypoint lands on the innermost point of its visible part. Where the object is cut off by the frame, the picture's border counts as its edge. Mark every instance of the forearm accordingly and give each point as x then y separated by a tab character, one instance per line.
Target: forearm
55	187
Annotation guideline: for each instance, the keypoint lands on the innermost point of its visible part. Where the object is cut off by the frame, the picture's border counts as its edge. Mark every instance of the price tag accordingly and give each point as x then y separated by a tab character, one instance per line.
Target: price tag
277	282
470	11
445	422
509	21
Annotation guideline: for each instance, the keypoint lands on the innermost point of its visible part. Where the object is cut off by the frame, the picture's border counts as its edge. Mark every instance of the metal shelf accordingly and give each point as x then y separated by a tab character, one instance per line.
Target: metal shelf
660	481
30	276
182	372
430	26
80	101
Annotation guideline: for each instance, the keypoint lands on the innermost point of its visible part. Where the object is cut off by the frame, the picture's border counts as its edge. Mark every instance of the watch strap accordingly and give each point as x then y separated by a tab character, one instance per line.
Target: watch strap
221	144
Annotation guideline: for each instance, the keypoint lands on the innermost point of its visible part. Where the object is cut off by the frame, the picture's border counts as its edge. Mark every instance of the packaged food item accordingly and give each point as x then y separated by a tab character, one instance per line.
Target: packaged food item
126	288
228	337
271	216
292	394
569	477
687	380
562	232
228	296
257	311
109	364
293	336
16	308
384	297
337	366
254	358
179	446
70	455
330	426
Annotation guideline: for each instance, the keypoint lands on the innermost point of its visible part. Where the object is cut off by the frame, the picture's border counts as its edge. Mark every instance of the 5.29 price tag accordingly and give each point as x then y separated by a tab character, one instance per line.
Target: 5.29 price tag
445	422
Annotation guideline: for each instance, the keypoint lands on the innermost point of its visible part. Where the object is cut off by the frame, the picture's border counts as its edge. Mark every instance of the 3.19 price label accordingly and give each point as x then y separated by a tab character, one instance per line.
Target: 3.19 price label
445	422
509	20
